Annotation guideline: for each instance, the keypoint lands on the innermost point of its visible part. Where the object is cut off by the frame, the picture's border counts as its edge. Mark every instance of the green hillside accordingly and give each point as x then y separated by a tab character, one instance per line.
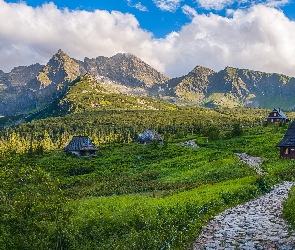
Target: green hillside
89	94
130	196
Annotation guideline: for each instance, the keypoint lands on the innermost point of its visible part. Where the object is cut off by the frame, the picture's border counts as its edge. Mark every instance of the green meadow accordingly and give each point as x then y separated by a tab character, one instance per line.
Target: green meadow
132	196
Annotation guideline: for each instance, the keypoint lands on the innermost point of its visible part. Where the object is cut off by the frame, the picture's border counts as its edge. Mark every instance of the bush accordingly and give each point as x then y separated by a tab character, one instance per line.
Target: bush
236	130
287	174
263	184
32	210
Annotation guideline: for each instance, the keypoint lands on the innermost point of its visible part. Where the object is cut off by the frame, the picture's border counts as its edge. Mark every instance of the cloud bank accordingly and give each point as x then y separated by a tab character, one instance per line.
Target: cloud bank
29	35
259	38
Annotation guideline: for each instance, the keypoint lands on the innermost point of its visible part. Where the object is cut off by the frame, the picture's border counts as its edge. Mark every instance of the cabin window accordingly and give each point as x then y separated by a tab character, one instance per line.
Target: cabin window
271	120
274	114
287	151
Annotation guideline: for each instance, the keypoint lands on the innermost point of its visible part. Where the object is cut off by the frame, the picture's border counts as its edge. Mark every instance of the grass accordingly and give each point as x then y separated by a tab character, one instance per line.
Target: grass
289	208
140	222
143	197
132	168
151	197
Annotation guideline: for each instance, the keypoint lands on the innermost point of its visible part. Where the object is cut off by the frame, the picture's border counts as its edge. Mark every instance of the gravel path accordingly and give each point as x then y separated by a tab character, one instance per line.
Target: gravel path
256	224
252	161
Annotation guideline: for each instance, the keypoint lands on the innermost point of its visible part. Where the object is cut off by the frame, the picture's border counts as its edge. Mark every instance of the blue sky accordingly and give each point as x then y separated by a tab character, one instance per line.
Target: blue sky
173	36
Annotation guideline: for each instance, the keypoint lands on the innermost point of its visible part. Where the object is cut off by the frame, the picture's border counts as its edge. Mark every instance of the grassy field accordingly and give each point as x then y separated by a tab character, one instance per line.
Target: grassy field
289	208
132	196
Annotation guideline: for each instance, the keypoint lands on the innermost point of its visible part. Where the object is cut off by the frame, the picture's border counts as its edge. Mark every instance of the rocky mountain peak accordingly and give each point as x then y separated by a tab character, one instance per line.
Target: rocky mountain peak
200	71
125	69
61	53
59	71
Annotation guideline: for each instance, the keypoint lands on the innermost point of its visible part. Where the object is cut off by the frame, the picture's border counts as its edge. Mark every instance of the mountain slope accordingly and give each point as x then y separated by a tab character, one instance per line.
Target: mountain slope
234	87
34	87
89	94
86	93
122	73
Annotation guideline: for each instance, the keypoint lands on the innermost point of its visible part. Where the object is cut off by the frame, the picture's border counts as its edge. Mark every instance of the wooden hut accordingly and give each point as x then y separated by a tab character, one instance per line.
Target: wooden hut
148	136
81	146
287	144
277	115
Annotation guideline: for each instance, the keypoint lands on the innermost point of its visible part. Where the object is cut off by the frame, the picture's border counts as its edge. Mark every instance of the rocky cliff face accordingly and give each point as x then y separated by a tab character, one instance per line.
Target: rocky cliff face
58	73
14	95
34	86
20	76
126	69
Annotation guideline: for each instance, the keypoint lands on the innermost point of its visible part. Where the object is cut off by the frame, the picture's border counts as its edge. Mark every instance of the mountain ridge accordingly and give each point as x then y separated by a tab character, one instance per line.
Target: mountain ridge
32	87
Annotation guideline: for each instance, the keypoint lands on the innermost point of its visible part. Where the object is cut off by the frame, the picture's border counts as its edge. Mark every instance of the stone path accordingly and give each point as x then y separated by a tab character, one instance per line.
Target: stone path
252	161
190	143
256	224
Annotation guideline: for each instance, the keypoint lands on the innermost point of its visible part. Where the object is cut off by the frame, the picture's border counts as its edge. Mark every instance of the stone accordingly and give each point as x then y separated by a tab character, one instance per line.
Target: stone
256	224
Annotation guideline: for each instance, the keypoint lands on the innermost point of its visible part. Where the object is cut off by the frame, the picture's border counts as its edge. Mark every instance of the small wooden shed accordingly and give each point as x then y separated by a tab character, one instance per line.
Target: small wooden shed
81	146
287	144
277	115
148	136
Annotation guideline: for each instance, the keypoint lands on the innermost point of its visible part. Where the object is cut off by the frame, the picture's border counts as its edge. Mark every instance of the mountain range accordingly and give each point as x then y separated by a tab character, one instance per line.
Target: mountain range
124	81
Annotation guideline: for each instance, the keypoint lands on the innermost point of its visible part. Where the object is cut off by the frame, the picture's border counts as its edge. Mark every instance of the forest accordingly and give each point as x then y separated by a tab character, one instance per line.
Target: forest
132	196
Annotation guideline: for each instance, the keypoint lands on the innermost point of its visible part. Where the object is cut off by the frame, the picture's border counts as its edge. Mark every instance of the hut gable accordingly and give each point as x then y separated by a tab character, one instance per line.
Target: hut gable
277	115
148	136
287	144
81	146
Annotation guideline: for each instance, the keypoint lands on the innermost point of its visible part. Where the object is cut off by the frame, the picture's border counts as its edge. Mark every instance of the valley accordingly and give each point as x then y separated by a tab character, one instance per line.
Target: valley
132	196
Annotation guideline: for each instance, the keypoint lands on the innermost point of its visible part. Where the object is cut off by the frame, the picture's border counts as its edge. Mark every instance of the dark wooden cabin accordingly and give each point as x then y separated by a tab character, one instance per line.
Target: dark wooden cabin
81	146
287	144
277	115
148	136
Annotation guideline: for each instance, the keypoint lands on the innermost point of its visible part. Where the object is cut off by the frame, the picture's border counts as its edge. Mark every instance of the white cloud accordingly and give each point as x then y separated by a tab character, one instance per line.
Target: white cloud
167	5
215	4
189	11
276	3
260	38
138	5
221	4
29	35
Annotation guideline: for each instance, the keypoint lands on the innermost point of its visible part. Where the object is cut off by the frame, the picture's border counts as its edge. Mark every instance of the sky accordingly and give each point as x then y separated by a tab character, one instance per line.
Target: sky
173	36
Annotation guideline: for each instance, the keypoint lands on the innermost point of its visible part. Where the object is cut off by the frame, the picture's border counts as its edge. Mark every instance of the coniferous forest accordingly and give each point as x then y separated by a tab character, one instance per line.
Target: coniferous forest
132	196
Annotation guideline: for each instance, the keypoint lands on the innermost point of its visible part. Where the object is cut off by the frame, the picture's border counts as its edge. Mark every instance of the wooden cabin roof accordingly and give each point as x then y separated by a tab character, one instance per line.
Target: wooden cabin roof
289	138
80	143
149	135
279	111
